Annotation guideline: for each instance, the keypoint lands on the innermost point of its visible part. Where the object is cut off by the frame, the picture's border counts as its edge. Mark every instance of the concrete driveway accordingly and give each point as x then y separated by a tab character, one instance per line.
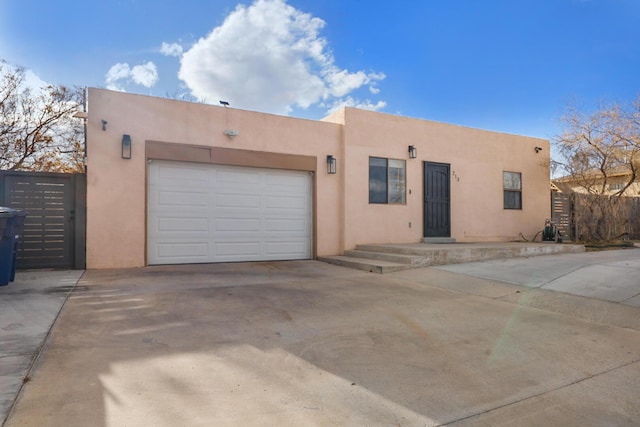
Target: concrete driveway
609	275
307	343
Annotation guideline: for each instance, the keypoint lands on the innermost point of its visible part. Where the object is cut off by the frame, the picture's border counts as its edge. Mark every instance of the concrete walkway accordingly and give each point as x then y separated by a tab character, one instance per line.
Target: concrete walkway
307	343
28	308
608	275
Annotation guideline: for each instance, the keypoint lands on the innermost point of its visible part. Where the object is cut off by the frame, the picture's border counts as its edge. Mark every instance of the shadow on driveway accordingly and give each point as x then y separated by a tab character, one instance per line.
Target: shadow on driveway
306	343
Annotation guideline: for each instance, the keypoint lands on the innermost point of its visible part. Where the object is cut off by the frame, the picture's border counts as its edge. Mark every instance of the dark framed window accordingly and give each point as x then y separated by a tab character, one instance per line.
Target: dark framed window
387	181
617	186
512	187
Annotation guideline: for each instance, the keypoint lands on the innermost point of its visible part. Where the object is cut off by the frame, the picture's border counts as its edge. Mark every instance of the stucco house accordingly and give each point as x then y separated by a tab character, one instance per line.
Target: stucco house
617	180
177	182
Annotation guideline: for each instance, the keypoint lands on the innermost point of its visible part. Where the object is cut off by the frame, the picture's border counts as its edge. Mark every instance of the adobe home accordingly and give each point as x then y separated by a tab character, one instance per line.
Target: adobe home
172	182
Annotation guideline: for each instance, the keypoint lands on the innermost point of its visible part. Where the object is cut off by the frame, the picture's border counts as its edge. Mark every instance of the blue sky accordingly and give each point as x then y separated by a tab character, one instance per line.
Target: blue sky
505	65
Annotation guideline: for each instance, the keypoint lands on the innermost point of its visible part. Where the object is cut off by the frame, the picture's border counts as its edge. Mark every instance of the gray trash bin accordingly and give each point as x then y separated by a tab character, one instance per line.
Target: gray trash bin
11	227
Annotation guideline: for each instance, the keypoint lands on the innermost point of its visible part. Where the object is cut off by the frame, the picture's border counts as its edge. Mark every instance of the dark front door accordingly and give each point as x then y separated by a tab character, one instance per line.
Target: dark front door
437	203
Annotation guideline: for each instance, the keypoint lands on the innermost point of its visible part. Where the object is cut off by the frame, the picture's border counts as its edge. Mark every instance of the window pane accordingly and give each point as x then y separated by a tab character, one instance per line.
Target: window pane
512	199
397	182
377	161
512	180
377	180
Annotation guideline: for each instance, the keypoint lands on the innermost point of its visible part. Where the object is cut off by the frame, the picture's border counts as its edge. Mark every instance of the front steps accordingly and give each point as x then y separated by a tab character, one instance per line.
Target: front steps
438	240
370	265
388	258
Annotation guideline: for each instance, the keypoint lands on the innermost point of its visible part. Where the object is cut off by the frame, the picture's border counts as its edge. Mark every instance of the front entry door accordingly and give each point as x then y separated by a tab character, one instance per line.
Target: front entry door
437	203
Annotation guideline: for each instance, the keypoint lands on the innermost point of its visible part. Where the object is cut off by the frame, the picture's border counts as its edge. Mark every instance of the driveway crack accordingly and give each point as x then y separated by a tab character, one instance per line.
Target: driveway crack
631	297
534	396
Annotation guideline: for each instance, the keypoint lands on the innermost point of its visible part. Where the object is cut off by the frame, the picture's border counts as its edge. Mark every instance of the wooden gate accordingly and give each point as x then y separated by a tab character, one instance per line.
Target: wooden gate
561	213
55	226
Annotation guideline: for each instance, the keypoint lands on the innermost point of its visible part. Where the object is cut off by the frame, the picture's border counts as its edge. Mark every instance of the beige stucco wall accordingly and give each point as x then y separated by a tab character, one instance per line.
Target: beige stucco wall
477	160
116	188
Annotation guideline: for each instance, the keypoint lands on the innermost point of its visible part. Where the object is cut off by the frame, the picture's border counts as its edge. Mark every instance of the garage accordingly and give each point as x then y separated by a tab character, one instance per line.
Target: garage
202	213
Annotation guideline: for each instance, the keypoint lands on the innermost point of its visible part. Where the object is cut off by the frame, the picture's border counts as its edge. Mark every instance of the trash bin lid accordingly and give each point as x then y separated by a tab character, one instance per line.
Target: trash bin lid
10	212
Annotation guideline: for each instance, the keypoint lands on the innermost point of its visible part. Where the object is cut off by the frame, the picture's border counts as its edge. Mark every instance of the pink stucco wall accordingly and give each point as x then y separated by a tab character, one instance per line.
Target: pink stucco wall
116	188
477	160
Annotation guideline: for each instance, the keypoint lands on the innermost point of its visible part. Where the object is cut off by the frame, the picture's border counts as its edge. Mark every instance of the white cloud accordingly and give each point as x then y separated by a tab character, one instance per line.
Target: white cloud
145	75
173	49
374	90
363	105
117	72
268	57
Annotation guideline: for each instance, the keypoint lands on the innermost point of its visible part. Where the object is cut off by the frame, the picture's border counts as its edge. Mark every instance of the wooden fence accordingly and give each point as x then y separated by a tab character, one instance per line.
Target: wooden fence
591	218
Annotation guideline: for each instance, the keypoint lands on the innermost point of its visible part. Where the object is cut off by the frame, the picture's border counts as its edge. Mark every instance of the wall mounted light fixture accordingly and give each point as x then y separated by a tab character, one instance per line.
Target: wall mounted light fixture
126	146
538	149
104	124
413	152
331	164
231	133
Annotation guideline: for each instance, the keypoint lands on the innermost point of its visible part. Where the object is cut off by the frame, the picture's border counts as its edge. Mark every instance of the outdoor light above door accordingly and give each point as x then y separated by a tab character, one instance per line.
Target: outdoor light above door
413	152
331	164
126	146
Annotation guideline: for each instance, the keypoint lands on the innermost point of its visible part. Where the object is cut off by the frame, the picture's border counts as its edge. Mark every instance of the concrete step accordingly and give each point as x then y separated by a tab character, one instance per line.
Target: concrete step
438	240
387	258
392	249
412	260
365	264
469	252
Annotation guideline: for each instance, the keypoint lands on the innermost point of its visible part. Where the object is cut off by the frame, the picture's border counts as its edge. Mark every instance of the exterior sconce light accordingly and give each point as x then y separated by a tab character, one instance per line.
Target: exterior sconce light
231	133
126	146
104	124
538	149
413	152
331	165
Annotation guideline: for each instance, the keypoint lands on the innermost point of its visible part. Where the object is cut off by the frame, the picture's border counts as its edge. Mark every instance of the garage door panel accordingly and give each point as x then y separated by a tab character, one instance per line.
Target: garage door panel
182	224
215	213
289	248
233	249
285	202
289	225
286	180
232	225
237	200
181	198
187	250
193	175
236	177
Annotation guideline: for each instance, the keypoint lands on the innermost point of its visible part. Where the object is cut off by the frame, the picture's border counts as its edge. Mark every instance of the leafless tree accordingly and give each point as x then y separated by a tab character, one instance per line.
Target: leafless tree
596	146
37	130
598	149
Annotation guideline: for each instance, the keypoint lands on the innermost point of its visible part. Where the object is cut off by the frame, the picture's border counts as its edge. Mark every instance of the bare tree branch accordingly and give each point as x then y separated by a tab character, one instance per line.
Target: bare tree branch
37	130
601	156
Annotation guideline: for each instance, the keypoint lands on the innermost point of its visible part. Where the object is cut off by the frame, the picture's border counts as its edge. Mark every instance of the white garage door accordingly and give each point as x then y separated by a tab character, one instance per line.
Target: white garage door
213	213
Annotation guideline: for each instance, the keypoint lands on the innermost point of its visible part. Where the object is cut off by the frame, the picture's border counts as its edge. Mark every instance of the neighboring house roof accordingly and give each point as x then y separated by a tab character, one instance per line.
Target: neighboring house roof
621	171
615	182
562	187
